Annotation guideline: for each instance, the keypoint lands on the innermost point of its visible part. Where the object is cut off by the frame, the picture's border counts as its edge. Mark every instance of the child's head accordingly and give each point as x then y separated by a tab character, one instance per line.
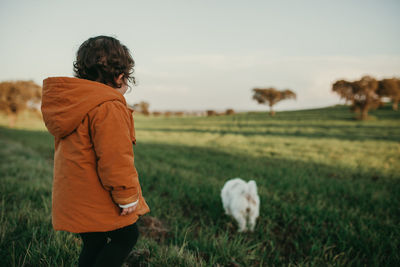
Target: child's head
104	59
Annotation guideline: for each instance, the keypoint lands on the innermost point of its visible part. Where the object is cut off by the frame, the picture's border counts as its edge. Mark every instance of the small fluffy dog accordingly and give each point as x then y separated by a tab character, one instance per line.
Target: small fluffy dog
241	201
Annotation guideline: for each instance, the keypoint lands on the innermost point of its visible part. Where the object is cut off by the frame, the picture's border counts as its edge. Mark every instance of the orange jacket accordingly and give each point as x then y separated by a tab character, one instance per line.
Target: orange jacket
94	167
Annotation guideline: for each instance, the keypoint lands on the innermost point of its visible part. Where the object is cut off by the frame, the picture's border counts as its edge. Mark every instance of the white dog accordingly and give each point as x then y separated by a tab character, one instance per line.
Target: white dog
241	201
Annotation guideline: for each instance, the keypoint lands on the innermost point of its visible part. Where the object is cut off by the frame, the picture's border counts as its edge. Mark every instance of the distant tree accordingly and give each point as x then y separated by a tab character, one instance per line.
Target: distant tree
362	94
390	88
229	112
142	107
179	113
211	113
271	96
16	96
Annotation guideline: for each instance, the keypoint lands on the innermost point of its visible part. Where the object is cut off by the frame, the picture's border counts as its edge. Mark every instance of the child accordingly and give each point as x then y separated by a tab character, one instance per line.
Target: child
96	191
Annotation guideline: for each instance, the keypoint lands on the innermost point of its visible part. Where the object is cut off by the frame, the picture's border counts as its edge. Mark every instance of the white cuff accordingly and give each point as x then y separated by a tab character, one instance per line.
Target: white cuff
129	205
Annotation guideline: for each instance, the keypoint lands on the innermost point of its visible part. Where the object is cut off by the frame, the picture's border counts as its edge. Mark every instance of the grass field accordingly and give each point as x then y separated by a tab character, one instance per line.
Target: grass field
329	187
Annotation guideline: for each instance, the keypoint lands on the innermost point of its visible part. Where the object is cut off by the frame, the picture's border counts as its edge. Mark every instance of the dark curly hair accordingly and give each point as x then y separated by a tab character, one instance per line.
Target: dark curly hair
103	59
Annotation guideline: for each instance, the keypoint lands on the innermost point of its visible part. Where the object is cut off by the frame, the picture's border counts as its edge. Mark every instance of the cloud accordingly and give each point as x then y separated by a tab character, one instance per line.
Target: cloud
217	61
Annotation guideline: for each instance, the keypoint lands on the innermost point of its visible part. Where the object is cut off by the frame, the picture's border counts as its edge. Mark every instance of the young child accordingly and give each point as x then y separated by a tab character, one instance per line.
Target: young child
96	190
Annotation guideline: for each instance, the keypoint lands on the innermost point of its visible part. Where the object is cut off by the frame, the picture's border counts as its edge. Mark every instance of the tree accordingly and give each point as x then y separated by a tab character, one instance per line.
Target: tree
362	94
390	88
142	107
229	111
211	113
16	96
272	96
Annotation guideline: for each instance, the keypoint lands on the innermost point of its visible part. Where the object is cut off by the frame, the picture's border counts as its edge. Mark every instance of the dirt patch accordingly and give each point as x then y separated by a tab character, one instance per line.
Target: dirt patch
153	228
138	258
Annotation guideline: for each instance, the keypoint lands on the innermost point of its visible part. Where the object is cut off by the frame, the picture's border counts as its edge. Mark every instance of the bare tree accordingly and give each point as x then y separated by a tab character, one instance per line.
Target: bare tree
271	96
362	94
16	96
390	88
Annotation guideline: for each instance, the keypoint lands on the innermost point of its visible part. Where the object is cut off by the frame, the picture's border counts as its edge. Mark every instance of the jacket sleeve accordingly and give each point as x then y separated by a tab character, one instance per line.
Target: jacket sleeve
110	126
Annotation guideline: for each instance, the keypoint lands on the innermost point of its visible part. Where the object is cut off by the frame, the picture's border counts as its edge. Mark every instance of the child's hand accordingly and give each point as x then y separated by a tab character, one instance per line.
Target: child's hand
129	210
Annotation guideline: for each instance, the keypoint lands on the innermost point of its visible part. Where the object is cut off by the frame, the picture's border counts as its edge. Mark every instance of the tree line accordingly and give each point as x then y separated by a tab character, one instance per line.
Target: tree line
365	94
143	108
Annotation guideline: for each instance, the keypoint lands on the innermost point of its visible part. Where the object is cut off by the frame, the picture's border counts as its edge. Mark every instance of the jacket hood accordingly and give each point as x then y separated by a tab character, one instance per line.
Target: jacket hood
66	101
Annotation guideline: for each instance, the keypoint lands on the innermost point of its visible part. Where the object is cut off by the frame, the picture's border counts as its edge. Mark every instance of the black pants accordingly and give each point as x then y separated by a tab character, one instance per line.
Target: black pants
99	251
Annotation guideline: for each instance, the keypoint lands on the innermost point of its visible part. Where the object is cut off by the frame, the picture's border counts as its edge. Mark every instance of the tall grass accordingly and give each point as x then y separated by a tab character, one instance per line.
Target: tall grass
329	189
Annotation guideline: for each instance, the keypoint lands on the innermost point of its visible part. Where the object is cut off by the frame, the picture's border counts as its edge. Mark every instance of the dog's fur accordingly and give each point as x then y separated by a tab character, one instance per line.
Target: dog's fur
241	201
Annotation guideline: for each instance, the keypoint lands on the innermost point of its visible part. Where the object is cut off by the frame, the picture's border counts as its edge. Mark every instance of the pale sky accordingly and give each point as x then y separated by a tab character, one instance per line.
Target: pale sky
197	55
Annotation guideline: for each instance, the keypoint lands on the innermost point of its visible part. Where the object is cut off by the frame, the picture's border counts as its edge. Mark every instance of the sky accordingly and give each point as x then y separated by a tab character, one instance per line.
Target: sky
198	55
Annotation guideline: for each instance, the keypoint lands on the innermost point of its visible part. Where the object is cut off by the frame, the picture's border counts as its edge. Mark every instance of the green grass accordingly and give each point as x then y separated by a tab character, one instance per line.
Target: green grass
329	187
